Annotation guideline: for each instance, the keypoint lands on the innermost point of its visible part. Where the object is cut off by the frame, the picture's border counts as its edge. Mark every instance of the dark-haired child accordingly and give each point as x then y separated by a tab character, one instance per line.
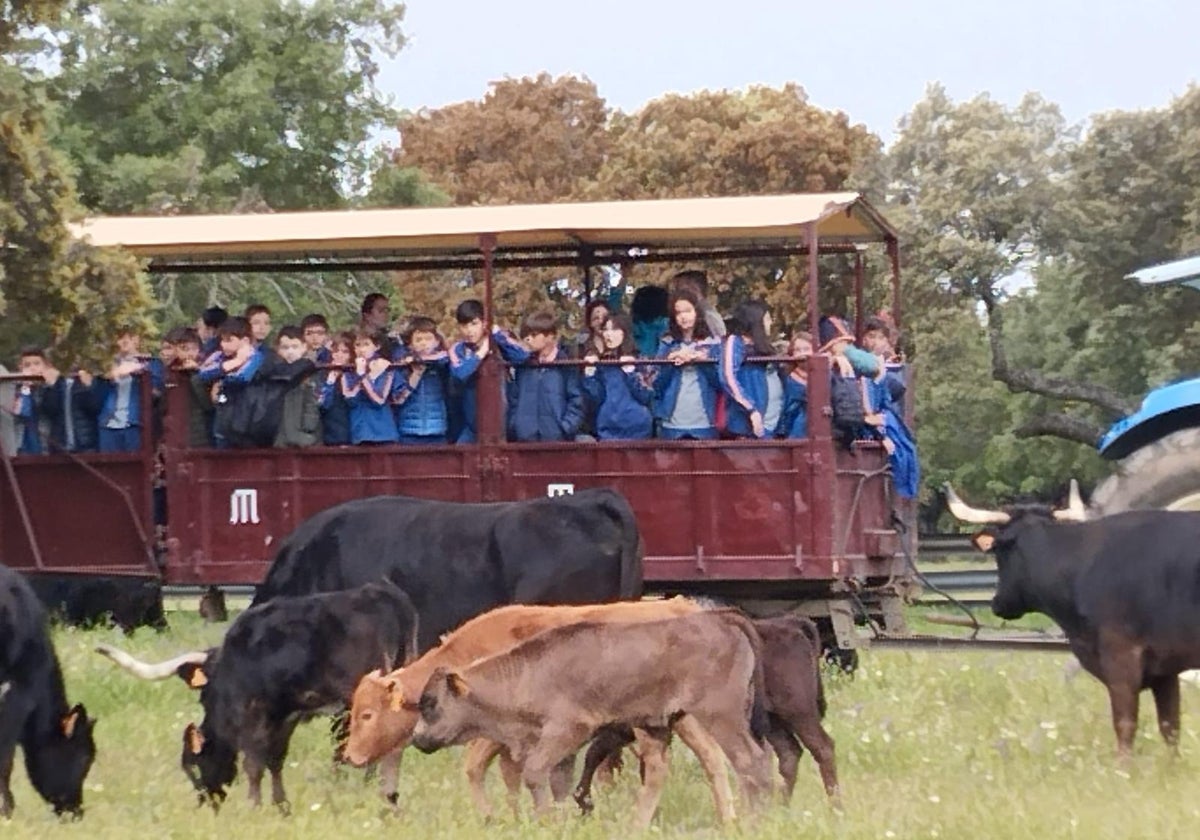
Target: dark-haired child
420	393
368	390
621	395
469	353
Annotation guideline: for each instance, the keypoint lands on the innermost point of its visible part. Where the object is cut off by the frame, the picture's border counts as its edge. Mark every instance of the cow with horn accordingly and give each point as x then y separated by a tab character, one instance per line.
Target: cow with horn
281	663
1121	587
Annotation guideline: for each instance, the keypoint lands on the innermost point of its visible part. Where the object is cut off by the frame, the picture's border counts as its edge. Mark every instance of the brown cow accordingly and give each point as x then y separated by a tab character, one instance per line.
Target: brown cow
795	698
547	697
381	727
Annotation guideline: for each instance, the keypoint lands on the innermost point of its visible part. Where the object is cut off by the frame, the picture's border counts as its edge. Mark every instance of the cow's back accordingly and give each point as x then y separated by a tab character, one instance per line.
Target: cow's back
24	638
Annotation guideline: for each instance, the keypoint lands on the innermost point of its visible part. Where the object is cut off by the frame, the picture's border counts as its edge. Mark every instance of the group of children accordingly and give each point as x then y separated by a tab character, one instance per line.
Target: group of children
308	386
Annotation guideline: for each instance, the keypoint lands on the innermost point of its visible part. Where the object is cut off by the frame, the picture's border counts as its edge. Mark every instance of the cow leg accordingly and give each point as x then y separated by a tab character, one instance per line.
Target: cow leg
749	760
788	751
7	752
556	744
389	777
652	746
708	752
510	771
479	755
812	735
253	766
1166	702
609	741
561	778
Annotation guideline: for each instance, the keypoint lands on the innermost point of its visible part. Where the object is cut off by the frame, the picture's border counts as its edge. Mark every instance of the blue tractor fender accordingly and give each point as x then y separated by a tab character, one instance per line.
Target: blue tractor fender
1164	410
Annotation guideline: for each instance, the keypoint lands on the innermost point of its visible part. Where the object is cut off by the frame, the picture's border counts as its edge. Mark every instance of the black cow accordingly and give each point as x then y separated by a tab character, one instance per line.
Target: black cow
459	560
57	740
1124	589
280	663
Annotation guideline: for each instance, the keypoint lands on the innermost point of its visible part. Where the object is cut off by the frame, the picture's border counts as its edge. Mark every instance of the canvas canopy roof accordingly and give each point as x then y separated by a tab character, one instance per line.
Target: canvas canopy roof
576	232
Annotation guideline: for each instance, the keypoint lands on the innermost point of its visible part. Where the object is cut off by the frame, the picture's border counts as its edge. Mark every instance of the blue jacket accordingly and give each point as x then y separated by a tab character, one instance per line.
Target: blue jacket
27	412
544	402
622	403
69	399
668	378
745	386
335	412
109	392
464	364
793	422
371	416
422	410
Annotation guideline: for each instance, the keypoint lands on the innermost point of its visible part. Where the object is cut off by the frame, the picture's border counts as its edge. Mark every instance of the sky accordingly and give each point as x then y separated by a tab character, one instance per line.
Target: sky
869	59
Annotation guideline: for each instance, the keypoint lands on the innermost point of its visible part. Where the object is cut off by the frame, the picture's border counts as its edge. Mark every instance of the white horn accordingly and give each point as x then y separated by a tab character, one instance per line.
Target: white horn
1075	510
149	671
963	512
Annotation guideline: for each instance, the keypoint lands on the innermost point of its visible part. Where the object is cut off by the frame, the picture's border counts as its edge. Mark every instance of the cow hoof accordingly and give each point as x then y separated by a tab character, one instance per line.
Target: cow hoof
586	806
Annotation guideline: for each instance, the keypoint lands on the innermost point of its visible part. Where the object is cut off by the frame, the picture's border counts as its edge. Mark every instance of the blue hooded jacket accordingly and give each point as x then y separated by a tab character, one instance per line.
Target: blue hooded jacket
669	378
545	402
622	403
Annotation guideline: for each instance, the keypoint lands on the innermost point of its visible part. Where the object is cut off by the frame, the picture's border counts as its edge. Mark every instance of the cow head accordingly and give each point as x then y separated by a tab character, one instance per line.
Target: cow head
448	713
1014	537
61	761
381	718
209	763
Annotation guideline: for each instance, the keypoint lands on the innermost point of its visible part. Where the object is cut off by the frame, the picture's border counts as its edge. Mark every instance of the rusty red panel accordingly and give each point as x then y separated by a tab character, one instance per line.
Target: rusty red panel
79	519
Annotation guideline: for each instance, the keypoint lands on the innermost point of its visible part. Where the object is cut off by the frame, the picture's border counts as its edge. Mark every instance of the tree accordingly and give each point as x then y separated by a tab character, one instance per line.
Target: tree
170	106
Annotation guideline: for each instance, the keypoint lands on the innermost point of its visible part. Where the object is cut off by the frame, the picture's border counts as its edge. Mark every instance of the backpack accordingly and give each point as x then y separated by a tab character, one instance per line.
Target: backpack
846	400
251	415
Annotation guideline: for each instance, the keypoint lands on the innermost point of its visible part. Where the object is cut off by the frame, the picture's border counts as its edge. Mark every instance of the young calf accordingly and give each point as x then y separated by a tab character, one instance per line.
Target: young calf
545	698
56	740
383	711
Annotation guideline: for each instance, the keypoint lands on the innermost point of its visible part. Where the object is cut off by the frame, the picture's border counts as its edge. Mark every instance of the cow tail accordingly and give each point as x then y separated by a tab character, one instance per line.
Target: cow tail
413	649
814	637
759	724
633	550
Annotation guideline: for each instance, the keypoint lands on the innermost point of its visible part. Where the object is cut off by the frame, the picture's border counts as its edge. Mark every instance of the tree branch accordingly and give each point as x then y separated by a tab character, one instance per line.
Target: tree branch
1030	381
1062	426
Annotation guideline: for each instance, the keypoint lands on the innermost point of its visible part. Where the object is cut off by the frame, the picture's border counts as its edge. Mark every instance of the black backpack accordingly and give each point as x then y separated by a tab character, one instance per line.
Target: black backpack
251	413
846	400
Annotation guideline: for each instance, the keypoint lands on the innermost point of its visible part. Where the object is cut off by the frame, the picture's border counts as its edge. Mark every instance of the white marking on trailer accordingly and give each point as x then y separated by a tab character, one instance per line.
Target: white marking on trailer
553	490
243	506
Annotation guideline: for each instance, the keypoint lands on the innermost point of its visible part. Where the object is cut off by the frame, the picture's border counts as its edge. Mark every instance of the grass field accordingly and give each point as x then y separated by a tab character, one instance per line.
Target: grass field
931	745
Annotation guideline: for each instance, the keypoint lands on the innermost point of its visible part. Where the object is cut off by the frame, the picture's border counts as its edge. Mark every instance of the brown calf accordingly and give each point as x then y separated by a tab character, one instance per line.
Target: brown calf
547	697
381	725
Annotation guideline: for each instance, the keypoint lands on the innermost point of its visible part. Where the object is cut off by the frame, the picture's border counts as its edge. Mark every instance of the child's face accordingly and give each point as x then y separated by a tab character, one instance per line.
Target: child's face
801	347
423	342
613	336
128	344
188	351
168	352
472	331
875	341
315	336
685	315
598	318
260	325
340	354
538	342
33	365
290	349
365	348
230	345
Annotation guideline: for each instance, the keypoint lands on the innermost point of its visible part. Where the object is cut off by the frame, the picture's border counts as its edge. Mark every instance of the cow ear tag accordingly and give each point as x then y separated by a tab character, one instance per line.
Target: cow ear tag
68	723
457	685
196	678
983	541
195	739
395	696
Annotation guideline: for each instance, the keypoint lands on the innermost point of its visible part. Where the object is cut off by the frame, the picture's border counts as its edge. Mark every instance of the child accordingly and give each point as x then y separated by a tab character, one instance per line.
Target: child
420	394
316	338
70	405
200	406
468	354
300	418
230	371
368	390
745	385
258	316
793	420
686	392
545	402
335	410
210	321
620	394
27	407
121	410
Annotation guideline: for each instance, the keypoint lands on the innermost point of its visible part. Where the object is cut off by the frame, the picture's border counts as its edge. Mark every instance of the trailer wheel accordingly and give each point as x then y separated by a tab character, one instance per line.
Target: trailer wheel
839	658
1162	474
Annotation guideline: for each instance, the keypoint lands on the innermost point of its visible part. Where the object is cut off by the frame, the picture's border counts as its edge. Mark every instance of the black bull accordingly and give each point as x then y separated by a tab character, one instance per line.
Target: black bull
1125	589
56	740
456	561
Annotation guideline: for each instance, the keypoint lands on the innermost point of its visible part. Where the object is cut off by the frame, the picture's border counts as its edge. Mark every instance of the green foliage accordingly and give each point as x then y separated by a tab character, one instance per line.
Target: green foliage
175	106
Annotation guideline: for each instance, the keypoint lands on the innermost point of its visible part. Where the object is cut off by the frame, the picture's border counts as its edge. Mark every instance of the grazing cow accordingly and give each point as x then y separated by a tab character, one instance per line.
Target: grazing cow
795	702
1121	587
545	698
459	560
56	740
382	723
280	663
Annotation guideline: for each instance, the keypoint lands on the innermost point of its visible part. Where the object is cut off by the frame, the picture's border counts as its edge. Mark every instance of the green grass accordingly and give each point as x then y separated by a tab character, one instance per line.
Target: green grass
930	745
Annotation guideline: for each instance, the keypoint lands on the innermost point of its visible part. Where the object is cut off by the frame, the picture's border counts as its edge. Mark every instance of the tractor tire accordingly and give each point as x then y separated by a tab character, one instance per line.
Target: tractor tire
1164	474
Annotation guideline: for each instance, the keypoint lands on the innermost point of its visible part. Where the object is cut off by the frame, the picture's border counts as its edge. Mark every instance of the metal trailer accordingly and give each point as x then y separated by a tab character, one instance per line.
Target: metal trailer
771	525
